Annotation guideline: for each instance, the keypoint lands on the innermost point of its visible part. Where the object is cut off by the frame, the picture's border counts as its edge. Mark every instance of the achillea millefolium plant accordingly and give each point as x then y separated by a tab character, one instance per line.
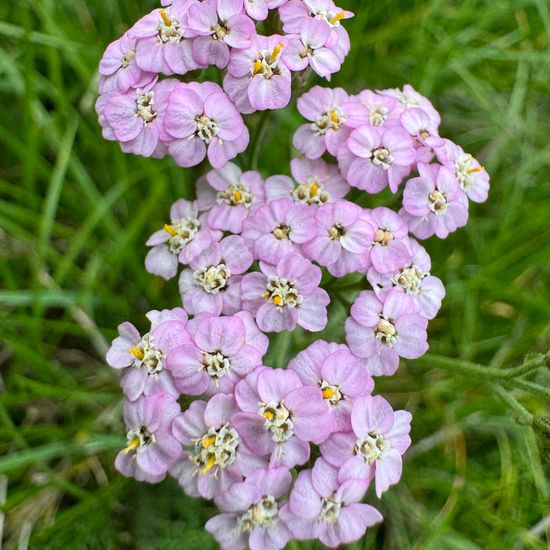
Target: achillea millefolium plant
285	453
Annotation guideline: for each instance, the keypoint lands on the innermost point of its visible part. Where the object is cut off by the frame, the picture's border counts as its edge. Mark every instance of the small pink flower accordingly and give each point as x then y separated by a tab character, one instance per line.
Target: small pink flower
341	377
258	77
278	228
295	13
230	196
310	49
219	353
202	120
161	46
390	246
373	450
381	332
250	513
136	118
434	203
321	507
280	416
214	455
414	280
323	107
372	109
409	98
287	295
180	241
212	283
471	176
118	69
217	26
151	449
318	183
343	239
381	156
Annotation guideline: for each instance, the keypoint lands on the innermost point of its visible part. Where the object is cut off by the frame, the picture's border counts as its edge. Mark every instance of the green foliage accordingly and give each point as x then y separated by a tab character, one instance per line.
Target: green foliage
75	212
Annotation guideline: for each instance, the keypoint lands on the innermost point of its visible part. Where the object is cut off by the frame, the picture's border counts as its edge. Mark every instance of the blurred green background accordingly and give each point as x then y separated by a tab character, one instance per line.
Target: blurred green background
74	215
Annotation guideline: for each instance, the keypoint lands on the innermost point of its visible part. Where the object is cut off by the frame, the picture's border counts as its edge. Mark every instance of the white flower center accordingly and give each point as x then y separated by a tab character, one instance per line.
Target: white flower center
127	58
278	421
181	232
386	332
466	167
145	355
311	192
410	280
437	202
336	231
207	129
213	279
281	231
144	106
216	449
282	292
219	31
329	120
138	439
331	17
266	63
169	29
331	393
406	99
383	236
330	509
261	514
236	194
378	115
217	365
381	157
372	447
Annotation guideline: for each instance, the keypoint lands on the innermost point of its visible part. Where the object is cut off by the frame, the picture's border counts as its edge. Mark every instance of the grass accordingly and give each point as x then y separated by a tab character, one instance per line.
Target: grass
74	214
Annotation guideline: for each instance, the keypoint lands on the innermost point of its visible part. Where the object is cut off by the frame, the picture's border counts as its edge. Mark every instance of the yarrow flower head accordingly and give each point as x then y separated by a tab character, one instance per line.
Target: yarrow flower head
284	453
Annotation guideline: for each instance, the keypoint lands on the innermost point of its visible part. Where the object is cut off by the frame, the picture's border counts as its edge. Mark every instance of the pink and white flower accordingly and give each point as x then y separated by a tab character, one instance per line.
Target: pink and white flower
278	228
151	449
212	281
217	26
230	196
202	121
434	203
219	353
373	450
415	280
280	416
321	507
287	295
323	107
344	238
214	454
250	513
382	332
180	241
341	377
258	77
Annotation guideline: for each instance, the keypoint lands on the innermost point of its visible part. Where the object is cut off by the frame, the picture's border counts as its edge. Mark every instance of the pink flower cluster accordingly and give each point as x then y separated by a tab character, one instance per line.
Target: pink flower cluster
153	116
253	253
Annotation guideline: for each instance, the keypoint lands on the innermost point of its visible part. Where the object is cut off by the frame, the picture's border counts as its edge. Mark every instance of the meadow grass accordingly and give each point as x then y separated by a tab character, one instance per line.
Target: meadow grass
74	215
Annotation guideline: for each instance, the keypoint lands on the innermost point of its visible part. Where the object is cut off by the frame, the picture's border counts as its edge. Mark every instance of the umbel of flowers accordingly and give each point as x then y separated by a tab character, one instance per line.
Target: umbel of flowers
285	453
